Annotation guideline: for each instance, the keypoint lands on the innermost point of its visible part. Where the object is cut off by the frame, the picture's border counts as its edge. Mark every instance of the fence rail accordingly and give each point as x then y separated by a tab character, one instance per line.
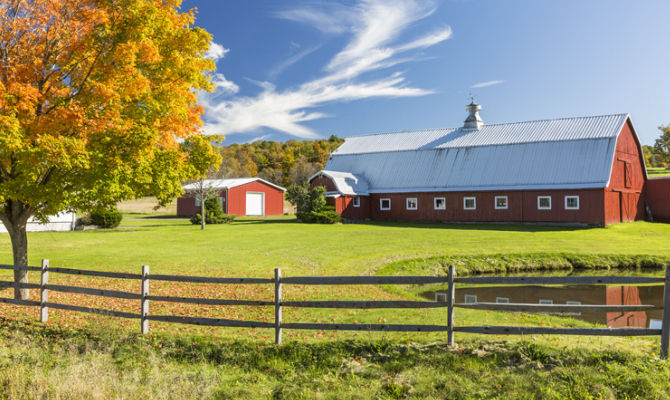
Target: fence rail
278	325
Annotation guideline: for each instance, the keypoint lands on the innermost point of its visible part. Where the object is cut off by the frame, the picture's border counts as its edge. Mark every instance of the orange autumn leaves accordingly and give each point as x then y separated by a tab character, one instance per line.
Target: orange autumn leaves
94	98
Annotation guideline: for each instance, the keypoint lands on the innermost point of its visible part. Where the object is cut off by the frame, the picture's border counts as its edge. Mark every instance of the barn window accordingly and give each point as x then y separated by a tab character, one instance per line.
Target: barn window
470	298
356	201
572	202
546	301
197	200
502	300
544	202
412	203
501	202
384	204
440	203
469	203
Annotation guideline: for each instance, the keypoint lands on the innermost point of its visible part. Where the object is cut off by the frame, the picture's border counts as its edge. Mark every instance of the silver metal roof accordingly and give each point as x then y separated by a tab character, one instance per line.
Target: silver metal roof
559	153
221	184
345	182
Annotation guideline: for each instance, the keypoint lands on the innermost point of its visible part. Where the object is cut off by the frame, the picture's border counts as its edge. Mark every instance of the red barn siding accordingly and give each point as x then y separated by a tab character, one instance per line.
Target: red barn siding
347	209
624	200
323	181
522	207
658	196
237	198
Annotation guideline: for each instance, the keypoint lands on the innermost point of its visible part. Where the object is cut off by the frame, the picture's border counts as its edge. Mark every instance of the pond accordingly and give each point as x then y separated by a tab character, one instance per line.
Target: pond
572	294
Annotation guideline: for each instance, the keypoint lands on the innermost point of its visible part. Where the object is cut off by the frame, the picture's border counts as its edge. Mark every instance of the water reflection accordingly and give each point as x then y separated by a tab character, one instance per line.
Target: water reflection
610	295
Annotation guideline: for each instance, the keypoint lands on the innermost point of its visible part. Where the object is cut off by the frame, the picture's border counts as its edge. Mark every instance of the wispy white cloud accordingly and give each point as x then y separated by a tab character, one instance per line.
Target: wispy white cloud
374	26
223	85
486	84
259	138
284	65
216	51
328	17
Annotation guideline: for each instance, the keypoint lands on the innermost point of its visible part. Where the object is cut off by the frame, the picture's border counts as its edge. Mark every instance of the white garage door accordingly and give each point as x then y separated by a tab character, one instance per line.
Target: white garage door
255	204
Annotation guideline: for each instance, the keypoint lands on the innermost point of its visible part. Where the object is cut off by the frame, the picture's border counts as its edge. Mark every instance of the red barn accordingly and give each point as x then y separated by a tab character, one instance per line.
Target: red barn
585	170
241	196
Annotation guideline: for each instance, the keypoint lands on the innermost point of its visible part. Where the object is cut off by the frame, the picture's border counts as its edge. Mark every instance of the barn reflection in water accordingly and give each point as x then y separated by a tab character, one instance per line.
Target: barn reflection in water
610	295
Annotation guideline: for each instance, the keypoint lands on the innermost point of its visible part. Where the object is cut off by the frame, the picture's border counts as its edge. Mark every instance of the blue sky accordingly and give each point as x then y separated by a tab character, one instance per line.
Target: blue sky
309	69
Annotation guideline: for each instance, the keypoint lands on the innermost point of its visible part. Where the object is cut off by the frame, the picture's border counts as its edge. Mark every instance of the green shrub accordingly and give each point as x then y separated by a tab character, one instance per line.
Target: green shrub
106	218
327	215
213	219
213	213
311	205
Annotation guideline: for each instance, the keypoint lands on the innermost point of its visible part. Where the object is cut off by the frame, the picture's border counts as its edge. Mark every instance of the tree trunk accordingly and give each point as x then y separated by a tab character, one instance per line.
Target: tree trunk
17	233
202	211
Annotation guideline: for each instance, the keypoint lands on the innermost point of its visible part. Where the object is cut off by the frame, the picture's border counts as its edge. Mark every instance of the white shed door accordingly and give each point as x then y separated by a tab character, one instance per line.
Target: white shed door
255	204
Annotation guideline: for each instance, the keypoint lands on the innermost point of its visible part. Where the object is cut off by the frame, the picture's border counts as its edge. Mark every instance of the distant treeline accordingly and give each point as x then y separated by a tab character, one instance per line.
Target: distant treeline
280	163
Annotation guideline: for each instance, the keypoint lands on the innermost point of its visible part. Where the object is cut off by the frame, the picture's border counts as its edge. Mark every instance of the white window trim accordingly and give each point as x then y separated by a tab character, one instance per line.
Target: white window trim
444	201
381	207
356	203
538	202
465	199
470	299
407	200
495	202
566	202
440	295
502	300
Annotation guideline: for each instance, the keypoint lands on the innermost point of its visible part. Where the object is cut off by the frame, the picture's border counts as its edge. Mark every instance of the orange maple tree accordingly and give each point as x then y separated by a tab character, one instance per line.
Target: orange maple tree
95	96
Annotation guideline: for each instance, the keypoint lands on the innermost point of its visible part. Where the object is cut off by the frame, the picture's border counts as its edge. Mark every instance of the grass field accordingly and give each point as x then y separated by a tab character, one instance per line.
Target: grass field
198	362
657	172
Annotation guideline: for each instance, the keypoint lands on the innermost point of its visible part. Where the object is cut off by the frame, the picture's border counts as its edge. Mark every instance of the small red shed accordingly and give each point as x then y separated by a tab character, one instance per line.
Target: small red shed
239	196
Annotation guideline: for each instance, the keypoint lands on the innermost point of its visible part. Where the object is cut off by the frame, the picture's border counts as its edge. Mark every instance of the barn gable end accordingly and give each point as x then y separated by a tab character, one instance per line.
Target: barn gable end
624	194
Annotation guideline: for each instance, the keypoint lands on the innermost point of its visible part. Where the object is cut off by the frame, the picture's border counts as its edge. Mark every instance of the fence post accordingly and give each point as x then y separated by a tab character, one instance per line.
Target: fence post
450	310
278	301
145	301
44	292
665	327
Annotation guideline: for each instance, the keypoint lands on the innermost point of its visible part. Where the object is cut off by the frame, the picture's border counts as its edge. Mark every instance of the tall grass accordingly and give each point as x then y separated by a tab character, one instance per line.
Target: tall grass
99	363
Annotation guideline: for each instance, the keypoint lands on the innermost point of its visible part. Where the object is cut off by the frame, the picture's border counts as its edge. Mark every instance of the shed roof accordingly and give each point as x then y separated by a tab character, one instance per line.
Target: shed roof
567	153
345	182
228	183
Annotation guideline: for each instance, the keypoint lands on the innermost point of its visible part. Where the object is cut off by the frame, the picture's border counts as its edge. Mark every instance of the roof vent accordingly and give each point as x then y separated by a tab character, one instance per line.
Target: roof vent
473	121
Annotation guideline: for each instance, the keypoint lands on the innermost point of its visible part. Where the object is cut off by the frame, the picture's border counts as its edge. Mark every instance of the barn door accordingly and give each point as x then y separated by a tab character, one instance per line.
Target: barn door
255	204
628	206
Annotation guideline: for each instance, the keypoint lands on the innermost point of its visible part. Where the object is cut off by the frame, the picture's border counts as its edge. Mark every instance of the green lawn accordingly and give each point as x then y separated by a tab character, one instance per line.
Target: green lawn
657	172
196	362
253	247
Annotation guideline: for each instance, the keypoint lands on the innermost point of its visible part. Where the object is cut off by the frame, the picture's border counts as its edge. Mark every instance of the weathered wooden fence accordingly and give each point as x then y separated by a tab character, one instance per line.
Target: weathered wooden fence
449	327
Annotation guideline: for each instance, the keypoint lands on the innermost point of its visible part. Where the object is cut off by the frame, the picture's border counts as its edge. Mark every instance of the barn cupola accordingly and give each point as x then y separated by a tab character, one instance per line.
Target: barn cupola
473	121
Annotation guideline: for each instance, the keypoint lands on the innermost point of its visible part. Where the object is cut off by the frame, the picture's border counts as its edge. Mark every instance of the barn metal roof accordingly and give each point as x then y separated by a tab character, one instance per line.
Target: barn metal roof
220	184
567	153
345	182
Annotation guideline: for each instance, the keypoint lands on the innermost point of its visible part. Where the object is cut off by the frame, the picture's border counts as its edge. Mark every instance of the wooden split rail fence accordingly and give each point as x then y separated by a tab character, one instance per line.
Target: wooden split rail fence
449	327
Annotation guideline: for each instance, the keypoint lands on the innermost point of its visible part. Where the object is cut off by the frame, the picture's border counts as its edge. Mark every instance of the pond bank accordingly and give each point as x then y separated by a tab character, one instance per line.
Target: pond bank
522	262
